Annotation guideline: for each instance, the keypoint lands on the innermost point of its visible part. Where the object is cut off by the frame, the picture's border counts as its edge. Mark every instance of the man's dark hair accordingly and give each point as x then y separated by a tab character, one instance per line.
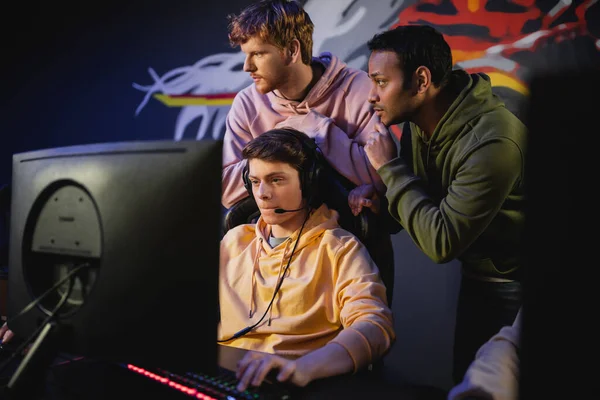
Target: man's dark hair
280	145
417	45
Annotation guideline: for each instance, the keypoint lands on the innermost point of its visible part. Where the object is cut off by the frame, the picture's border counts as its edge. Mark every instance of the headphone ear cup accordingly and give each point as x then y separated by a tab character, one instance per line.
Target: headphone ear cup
312	182
315	184
310	177
306	186
246	180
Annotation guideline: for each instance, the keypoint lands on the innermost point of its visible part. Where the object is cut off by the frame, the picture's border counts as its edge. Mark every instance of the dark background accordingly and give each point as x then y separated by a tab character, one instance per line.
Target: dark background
67	70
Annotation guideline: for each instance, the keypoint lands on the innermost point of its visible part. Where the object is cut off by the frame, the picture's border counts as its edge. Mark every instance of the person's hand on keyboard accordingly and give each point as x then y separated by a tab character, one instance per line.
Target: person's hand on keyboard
254	368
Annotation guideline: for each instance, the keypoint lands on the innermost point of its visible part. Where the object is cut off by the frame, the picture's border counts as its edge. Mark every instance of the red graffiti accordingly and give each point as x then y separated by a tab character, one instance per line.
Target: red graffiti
470	27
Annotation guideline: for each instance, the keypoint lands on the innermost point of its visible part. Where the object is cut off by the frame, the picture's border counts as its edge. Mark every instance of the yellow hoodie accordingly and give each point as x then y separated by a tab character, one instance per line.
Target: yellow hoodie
332	292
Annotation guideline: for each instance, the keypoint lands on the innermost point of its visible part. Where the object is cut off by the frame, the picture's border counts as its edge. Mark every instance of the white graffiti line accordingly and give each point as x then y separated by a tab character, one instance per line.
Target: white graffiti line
326	19
493	60
559	6
343	27
214	115
523	43
212	74
494	55
529	41
340	27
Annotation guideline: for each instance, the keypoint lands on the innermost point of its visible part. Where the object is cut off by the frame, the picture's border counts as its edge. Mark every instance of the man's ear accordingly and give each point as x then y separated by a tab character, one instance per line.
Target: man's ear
294	50
422	79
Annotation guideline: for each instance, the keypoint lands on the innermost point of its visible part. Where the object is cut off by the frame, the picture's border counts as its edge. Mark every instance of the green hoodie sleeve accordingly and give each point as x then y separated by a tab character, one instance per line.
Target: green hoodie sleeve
485	175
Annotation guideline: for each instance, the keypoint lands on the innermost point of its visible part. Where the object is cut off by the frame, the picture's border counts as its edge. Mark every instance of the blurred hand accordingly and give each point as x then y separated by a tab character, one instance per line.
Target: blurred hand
380	146
5	334
364	196
254	367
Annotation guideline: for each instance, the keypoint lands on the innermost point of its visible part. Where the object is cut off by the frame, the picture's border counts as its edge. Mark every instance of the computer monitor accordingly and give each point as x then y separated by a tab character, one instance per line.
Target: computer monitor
560	182
144	219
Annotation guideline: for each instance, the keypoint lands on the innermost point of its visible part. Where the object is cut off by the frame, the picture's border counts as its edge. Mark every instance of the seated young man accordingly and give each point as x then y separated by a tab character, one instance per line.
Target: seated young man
295	286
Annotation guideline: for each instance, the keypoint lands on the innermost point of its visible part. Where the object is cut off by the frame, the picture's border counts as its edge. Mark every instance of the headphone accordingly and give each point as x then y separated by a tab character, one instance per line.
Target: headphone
310	172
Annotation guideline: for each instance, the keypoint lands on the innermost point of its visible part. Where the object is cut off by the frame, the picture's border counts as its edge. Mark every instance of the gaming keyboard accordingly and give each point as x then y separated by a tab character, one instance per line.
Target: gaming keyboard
221	386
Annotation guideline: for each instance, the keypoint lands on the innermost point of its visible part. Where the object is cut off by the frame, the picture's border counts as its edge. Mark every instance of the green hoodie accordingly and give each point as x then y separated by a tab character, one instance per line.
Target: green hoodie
463	197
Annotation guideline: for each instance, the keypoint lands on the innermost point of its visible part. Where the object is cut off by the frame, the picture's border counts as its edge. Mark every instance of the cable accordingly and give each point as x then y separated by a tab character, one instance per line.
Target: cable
250	327
60	304
67	359
47	292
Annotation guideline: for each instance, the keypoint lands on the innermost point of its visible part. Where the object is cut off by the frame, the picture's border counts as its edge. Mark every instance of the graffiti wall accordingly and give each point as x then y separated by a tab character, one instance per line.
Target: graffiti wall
507	39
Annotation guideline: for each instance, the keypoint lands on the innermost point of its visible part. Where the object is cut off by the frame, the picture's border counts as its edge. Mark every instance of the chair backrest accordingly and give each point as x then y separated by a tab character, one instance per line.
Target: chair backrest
244	211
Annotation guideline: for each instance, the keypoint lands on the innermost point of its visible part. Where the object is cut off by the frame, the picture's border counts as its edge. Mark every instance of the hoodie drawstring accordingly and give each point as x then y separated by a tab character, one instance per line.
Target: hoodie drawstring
291	107
287	242
252	302
254	265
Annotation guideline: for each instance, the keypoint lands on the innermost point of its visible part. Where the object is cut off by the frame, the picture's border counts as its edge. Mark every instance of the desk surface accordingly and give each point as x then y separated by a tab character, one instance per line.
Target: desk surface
92	380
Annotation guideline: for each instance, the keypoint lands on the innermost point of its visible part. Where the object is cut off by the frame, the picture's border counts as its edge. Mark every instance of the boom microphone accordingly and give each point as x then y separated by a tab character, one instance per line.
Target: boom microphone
282	211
